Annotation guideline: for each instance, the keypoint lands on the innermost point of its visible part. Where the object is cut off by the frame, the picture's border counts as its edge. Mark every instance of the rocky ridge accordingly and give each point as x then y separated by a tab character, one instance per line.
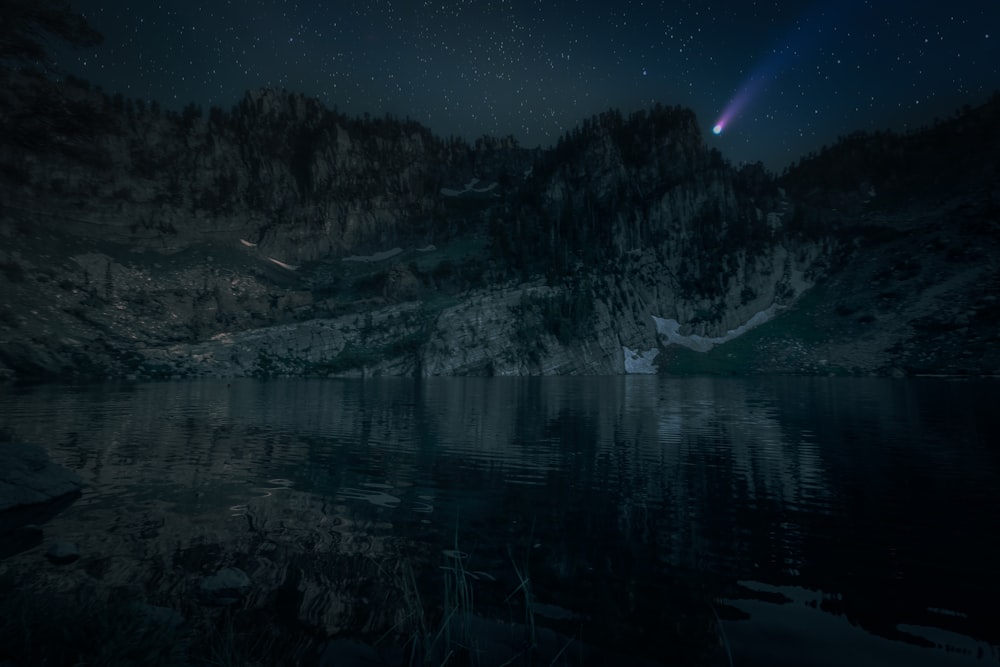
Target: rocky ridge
281	238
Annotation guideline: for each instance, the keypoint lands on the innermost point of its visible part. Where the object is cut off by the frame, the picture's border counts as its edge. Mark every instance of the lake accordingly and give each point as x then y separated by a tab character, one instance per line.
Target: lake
619	520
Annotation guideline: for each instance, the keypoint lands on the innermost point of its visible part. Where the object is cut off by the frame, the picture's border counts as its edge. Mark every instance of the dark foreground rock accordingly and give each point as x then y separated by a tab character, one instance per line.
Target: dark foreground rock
495	644
62	553
33	489
28	477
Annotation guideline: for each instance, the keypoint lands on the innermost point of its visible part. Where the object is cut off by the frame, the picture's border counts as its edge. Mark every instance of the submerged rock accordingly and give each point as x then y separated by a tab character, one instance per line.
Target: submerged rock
161	617
225	587
62	553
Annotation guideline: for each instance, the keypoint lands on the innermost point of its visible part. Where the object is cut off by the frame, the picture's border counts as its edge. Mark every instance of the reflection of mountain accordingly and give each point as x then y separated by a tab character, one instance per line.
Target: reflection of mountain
616	491
895	533
917	487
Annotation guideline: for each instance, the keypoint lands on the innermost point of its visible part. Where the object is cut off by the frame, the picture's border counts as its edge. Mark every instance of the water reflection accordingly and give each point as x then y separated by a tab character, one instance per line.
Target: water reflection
633	502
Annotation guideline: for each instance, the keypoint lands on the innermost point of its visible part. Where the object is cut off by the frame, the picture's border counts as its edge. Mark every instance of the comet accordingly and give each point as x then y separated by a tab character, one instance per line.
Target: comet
743	98
797	44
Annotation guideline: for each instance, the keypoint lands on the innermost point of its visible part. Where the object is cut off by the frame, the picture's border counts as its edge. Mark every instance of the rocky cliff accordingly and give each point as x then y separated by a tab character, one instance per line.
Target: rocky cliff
280	237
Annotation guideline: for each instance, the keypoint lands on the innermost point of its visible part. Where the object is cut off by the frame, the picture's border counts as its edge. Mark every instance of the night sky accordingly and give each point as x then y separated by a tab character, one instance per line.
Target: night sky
781	78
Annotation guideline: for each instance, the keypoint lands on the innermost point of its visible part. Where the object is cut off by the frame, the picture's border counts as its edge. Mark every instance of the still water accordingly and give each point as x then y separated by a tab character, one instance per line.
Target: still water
775	521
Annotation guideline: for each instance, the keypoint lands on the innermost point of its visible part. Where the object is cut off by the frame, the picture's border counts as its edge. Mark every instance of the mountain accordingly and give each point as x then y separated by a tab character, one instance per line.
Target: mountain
282	237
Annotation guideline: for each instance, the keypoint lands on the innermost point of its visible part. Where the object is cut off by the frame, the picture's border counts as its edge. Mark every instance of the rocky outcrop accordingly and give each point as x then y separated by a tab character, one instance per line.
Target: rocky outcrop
508	329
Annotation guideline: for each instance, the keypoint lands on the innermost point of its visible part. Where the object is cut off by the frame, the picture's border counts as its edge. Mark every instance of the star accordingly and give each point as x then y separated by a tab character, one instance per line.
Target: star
760	71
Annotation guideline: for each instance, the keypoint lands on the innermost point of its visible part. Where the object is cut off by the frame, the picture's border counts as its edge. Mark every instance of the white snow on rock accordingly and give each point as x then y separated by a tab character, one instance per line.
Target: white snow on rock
470	188
670	330
282	264
640	363
377	257
248	244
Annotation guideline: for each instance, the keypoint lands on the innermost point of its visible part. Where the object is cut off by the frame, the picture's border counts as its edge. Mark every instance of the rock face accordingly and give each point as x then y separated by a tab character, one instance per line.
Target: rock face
282	238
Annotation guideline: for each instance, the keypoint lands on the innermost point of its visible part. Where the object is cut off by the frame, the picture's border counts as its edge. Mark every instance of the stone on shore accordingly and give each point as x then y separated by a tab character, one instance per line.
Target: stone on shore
33	489
62	553
28	477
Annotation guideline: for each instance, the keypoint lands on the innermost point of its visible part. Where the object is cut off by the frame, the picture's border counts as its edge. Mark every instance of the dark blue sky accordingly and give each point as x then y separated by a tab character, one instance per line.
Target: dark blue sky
787	77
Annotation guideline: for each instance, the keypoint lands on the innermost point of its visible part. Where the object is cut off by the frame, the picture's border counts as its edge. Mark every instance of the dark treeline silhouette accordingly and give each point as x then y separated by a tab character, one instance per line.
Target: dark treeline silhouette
951	152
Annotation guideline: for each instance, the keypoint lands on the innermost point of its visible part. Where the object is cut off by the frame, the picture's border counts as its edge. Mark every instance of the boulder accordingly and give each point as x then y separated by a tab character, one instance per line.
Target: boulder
62	553
225	587
33	489
28	477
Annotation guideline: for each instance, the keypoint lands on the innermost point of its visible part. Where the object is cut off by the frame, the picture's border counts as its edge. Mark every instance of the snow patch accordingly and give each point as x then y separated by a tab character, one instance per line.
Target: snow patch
248	244
282	264
470	188
798	282
640	363
947	612
670	330
377	257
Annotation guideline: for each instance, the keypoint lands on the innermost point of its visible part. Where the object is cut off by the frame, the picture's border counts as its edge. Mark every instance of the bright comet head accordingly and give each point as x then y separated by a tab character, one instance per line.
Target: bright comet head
717	129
